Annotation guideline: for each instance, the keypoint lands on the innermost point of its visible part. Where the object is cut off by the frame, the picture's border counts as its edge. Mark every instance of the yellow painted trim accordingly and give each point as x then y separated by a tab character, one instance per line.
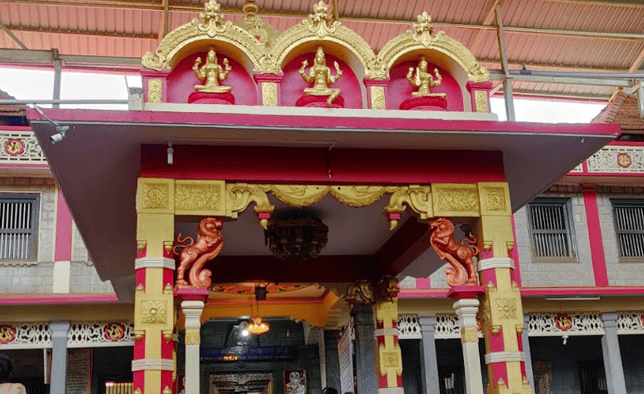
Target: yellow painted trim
155	229
152	381
74	313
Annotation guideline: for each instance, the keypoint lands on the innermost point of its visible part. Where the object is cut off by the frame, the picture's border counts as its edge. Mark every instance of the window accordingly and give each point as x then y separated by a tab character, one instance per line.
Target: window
629	227
18	226
550	229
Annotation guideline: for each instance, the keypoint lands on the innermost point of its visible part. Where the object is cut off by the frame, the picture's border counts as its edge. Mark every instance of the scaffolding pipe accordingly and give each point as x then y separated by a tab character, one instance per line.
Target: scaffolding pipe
507	80
58	70
574	74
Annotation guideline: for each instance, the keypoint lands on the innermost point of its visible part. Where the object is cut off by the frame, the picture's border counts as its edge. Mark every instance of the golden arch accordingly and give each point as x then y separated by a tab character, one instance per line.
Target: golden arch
420	39
199	34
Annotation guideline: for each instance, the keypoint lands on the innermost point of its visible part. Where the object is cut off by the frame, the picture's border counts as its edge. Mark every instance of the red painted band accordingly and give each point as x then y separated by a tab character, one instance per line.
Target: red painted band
595	238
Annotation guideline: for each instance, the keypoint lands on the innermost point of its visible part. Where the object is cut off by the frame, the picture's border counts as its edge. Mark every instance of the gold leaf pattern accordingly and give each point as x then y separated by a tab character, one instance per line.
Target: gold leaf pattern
155	196
197	197
154	312
155	90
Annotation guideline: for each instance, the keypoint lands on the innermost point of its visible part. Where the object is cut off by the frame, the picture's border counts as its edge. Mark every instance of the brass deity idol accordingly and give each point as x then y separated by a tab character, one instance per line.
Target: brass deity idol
424	81
321	77
211	73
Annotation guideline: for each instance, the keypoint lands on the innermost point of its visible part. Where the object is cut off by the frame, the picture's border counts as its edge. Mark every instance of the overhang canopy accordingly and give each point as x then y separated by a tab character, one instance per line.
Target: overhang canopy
99	160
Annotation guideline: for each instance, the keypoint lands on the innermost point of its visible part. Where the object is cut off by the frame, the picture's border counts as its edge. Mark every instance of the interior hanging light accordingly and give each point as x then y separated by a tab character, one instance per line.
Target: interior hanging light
257	326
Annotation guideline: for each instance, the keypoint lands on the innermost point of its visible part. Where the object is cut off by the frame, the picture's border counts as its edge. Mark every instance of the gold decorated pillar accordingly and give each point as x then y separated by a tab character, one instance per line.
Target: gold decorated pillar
377	92
388	356
154	316
268	88
502	312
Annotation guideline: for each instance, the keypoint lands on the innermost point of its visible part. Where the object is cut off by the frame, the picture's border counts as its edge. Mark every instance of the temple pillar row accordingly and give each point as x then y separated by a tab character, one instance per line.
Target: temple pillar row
153	364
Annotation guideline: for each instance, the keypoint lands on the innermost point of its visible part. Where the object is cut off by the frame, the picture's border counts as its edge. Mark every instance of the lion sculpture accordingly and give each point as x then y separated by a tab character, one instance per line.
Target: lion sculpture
207	247
460	256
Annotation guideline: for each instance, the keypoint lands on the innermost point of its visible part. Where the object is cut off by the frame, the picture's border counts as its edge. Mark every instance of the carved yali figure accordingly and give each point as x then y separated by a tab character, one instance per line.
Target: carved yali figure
211	73
321	77
207	247
423	80
460	256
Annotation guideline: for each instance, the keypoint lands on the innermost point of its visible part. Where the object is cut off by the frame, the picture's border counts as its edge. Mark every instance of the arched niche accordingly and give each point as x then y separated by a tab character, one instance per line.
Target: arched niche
453	80
441	50
292	86
182	80
336	40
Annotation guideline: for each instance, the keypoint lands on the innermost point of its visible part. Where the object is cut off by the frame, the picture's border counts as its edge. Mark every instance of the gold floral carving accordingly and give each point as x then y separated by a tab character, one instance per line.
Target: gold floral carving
378	97
317	27
209	26
299	195
480	98
456	200
416	197
389	360
138	391
155	195
199	198
269	94
240	195
360	292
265	33
357	196
507	308
193	337
495	198
154	312
155	90
469	334
420	39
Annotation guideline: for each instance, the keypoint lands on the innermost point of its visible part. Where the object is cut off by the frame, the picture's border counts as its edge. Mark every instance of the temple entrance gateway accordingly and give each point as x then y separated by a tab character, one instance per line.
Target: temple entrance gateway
241	382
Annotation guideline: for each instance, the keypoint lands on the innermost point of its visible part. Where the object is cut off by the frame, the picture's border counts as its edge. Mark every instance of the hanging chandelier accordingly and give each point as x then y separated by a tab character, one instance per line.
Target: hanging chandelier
257	326
297	239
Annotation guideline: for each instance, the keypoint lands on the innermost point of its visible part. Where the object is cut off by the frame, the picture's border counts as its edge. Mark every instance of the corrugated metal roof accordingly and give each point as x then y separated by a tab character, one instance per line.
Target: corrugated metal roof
129	28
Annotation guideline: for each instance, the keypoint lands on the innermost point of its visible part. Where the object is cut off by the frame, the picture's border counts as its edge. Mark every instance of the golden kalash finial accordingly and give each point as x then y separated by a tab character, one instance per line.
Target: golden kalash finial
211	73
424	81
321	77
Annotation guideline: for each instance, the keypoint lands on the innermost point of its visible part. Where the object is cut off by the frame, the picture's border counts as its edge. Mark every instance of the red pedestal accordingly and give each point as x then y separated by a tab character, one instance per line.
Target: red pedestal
465	291
319	101
211	98
425	104
191	294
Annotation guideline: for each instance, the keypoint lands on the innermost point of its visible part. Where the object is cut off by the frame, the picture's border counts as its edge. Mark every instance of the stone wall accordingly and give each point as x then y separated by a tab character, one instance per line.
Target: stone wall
620	273
36	276
565	273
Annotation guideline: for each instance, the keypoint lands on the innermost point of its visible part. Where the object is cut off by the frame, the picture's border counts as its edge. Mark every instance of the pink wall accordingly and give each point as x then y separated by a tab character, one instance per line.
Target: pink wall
63	230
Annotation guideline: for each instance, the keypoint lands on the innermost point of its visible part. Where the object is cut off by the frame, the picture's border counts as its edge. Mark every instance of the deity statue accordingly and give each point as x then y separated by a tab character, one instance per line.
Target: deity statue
211	73
424	80
321	77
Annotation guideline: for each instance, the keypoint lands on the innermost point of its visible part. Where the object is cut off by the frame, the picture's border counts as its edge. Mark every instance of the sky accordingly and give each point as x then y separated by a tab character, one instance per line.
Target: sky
30	84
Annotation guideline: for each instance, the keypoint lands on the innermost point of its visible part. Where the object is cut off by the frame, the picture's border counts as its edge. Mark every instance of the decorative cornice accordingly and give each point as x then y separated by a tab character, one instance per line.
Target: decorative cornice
495	262
499	357
154	262
155	364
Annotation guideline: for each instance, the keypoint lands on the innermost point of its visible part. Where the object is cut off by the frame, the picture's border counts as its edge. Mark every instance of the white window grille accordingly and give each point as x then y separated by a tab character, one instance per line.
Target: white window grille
629	227
18	226
408	327
447	327
564	324
630	323
550	229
